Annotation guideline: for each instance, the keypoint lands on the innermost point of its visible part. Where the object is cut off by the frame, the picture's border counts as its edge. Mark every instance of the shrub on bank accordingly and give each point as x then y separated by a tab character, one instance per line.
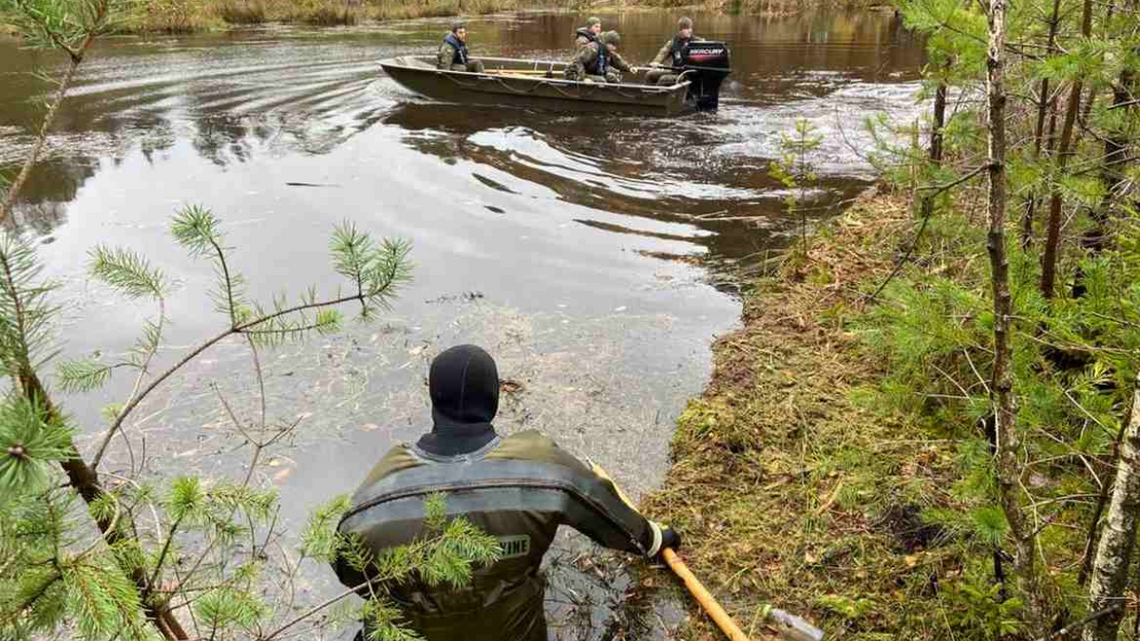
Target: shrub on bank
242	11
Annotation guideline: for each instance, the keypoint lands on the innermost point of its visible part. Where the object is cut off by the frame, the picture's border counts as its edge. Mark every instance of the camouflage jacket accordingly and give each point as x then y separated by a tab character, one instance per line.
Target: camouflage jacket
451	52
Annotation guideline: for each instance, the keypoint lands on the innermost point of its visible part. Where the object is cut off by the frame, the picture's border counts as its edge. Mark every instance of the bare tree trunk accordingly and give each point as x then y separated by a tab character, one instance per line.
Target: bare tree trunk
1114	555
1001	388
1053	241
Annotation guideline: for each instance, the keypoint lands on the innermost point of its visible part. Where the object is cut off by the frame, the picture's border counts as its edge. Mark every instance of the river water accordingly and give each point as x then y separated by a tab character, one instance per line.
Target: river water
592	255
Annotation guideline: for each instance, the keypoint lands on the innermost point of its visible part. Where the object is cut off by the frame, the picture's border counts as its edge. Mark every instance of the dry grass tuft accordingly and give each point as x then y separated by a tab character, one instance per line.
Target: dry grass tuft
791	488
245	12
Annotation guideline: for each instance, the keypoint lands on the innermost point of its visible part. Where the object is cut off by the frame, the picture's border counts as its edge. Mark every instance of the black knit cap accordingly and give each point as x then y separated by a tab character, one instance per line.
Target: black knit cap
464	386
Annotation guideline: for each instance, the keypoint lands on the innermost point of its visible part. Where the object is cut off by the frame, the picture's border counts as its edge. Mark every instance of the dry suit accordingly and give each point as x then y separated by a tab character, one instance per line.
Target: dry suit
518	488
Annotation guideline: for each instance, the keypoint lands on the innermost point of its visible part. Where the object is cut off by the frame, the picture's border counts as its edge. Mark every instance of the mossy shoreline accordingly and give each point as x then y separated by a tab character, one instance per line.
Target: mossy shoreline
789	486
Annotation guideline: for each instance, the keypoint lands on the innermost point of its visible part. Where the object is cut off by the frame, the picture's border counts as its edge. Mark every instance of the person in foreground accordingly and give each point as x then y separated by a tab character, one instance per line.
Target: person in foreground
670	55
453	51
518	488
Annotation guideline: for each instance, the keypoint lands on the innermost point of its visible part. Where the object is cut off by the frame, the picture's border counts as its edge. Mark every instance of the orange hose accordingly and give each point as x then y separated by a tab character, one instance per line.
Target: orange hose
725	622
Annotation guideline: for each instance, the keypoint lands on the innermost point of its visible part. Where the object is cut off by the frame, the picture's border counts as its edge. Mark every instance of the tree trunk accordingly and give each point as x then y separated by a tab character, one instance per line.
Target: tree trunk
1114	555
85	481
1001	388
1053	240
1044	102
936	134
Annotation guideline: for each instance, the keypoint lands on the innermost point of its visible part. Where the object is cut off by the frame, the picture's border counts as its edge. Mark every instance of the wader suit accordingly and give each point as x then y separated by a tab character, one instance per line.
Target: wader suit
518	488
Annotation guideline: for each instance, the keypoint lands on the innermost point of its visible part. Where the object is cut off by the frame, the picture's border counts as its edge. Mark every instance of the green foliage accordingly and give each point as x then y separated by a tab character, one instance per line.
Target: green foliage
384	622
32	443
198	230
52	24
848	608
975	605
82	376
319	539
128	272
25	312
794	170
378	271
225	608
103	601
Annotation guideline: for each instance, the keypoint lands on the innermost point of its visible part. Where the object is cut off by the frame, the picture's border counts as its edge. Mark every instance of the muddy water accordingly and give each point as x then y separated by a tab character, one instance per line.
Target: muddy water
590	254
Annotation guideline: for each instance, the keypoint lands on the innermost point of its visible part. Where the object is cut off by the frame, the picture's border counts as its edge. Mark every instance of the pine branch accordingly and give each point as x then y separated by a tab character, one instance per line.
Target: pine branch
134	402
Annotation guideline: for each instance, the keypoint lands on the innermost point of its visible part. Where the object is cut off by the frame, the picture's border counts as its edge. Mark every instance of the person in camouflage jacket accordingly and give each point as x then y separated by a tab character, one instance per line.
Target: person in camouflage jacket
599	61
453	54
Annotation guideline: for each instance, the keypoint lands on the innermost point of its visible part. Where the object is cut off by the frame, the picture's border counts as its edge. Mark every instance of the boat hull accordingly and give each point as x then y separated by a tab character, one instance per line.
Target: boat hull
522	83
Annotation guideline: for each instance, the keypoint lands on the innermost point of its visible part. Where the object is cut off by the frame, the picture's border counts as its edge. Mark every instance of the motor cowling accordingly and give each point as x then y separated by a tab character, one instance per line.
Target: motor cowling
706	63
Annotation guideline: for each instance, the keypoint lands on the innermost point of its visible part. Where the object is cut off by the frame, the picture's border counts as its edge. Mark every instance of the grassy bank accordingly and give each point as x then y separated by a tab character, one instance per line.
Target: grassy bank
187	16
789	485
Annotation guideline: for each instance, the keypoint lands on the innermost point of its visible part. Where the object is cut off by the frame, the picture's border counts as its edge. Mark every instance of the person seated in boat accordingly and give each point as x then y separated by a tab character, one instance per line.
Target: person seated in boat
518	488
670	55
595	61
589	33
453	52
617	64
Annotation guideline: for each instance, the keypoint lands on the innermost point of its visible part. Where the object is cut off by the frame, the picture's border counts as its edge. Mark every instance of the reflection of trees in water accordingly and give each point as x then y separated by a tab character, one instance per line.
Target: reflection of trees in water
222	139
42	204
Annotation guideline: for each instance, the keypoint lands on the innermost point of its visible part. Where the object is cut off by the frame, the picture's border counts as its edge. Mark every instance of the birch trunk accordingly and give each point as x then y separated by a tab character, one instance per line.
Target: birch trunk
1114	555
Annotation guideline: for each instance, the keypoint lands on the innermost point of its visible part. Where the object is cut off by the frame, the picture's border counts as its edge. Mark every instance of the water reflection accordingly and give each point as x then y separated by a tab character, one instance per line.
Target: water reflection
275	92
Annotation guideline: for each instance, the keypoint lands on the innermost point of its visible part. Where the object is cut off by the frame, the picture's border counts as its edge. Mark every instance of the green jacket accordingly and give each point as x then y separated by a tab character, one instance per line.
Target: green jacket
519	489
669	54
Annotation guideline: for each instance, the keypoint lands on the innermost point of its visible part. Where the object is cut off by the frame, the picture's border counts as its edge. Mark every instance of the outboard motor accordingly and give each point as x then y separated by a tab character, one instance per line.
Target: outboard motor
706	63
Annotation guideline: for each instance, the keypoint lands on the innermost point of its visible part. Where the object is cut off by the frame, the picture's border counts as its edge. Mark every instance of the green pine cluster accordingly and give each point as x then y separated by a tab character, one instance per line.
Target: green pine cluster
1072	77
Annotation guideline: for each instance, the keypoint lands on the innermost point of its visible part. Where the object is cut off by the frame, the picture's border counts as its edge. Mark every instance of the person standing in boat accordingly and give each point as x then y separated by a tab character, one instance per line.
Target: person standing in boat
453	52
518	488
670	55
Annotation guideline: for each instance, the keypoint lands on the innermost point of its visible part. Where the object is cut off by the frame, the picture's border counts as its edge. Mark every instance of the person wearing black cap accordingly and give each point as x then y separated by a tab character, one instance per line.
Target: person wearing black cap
453	51
518	488
669	56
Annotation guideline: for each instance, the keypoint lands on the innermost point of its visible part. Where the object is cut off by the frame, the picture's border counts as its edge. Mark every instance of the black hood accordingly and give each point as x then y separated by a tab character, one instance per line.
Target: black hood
464	386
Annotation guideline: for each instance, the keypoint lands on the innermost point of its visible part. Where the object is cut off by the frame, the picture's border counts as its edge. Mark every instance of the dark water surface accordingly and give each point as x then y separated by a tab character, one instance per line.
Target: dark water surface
585	252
